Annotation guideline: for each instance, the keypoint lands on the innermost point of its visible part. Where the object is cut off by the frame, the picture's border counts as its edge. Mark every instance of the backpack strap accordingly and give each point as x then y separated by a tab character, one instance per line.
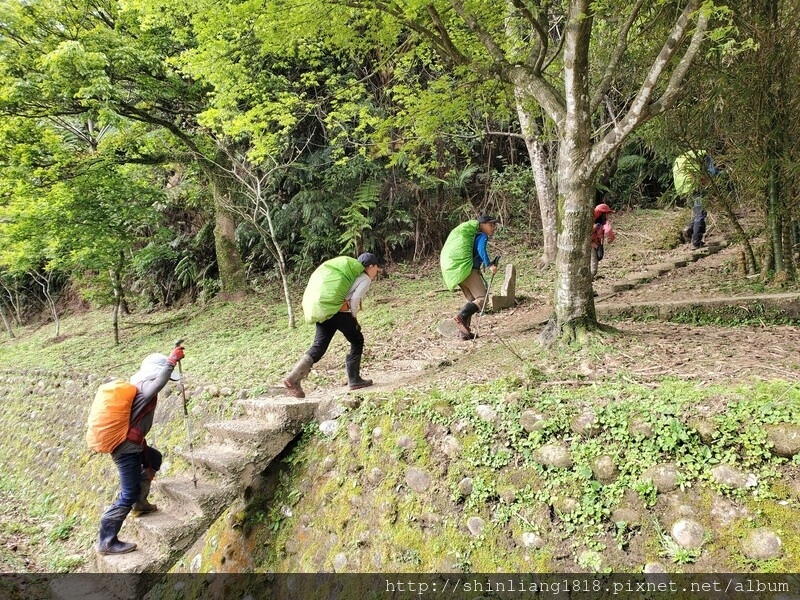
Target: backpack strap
134	434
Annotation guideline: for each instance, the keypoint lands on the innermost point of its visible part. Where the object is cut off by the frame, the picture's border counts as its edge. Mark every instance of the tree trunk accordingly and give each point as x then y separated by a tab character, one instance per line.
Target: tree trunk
116	284
44	283
231	270
775	228
5	321
747	247
541	176
573	300
281	266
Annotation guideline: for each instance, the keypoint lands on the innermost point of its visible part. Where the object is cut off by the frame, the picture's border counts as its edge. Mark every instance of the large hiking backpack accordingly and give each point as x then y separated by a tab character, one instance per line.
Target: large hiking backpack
328	286
456	256
109	421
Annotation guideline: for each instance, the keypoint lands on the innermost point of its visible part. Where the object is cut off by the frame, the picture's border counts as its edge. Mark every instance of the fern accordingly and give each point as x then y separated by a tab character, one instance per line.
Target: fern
356	216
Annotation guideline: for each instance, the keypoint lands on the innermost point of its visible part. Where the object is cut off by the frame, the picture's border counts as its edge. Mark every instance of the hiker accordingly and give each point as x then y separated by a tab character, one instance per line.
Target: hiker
691	172
137	462
332	300
463	254
601	233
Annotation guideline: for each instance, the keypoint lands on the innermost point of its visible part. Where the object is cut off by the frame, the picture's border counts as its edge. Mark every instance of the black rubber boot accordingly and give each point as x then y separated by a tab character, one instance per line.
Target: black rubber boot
463	319
353	365
107	539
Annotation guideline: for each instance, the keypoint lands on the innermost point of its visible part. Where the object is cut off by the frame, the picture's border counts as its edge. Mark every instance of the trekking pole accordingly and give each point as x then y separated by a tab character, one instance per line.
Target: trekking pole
495	262
186	418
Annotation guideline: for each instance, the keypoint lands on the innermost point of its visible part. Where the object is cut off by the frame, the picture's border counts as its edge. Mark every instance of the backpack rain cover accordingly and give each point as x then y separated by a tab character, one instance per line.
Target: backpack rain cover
456	256
328	286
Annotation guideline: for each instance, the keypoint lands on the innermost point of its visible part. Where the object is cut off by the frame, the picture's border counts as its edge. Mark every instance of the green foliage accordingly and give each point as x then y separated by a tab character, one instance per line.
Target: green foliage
355	217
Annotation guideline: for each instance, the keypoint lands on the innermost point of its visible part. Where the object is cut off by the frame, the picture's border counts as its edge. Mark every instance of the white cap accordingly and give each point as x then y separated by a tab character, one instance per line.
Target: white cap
151	368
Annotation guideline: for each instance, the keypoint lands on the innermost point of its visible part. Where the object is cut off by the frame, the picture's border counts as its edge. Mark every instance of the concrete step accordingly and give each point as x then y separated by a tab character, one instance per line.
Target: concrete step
80	586
294	411
170	530
221	459
248	431
208	498
101	586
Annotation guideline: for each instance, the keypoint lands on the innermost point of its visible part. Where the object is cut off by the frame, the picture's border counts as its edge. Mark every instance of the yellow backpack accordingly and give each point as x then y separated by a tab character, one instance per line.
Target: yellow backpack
110	415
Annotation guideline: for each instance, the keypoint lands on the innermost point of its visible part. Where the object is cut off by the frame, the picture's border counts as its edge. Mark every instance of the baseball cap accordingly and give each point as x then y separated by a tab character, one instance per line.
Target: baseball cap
486	219
368	258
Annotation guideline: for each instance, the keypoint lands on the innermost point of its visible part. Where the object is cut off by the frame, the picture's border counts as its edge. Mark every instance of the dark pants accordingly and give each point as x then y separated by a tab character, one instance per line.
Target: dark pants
695	231
341	321
132	467
698	230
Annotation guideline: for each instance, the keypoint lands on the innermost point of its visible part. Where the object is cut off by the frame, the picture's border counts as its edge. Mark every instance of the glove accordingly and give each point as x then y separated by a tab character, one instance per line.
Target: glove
176	355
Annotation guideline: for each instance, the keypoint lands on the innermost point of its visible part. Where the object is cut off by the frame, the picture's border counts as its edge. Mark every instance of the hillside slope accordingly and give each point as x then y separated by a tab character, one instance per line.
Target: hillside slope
439	465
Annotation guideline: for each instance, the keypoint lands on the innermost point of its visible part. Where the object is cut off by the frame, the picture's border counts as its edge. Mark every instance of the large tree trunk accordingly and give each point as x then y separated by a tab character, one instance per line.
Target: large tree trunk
231	270
573	302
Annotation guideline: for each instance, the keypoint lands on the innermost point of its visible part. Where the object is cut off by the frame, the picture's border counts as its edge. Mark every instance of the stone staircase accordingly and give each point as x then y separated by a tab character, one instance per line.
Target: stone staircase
654	272
226	467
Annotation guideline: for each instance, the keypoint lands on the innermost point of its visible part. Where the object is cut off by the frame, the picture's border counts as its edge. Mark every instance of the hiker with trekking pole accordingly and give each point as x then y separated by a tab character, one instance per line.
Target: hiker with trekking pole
463	255
332	300
119	420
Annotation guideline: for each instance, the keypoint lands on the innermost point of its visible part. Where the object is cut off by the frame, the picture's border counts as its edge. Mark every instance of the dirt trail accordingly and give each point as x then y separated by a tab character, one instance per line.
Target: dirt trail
648	351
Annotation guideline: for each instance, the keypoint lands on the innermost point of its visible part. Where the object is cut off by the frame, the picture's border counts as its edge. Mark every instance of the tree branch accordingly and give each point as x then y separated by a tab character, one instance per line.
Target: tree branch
616	56
640	109
492	47
540	33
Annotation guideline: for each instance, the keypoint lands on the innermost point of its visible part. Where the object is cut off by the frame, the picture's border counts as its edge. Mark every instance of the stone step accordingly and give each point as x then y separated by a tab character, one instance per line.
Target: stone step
101	586
208	498
172	531
248	431
80	586
662	269
294	411
221	459
135	573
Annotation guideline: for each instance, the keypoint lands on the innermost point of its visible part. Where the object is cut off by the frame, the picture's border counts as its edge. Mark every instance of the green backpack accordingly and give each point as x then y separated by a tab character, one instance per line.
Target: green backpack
456	256
328	286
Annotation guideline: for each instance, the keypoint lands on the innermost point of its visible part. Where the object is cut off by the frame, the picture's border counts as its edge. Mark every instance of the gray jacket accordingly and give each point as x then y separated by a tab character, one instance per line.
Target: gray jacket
146	391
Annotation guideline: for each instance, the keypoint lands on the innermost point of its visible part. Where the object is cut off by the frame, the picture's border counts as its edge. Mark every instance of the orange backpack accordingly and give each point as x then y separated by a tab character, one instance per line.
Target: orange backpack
110	415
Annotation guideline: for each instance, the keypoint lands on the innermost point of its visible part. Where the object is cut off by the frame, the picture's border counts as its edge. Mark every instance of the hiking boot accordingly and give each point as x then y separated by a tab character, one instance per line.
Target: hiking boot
462	319
142	506
467	336
353	366
462	327
300	371
107	539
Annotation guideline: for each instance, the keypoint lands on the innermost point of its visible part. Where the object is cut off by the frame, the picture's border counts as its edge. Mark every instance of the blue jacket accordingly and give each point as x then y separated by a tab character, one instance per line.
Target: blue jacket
480	255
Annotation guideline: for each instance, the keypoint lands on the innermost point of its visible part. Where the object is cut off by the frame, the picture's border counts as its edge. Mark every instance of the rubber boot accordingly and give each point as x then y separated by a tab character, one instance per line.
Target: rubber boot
107	539
463	319
296	375
353	365
142	506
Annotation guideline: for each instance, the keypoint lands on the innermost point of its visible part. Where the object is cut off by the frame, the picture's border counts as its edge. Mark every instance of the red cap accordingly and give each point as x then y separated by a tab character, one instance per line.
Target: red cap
602	209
